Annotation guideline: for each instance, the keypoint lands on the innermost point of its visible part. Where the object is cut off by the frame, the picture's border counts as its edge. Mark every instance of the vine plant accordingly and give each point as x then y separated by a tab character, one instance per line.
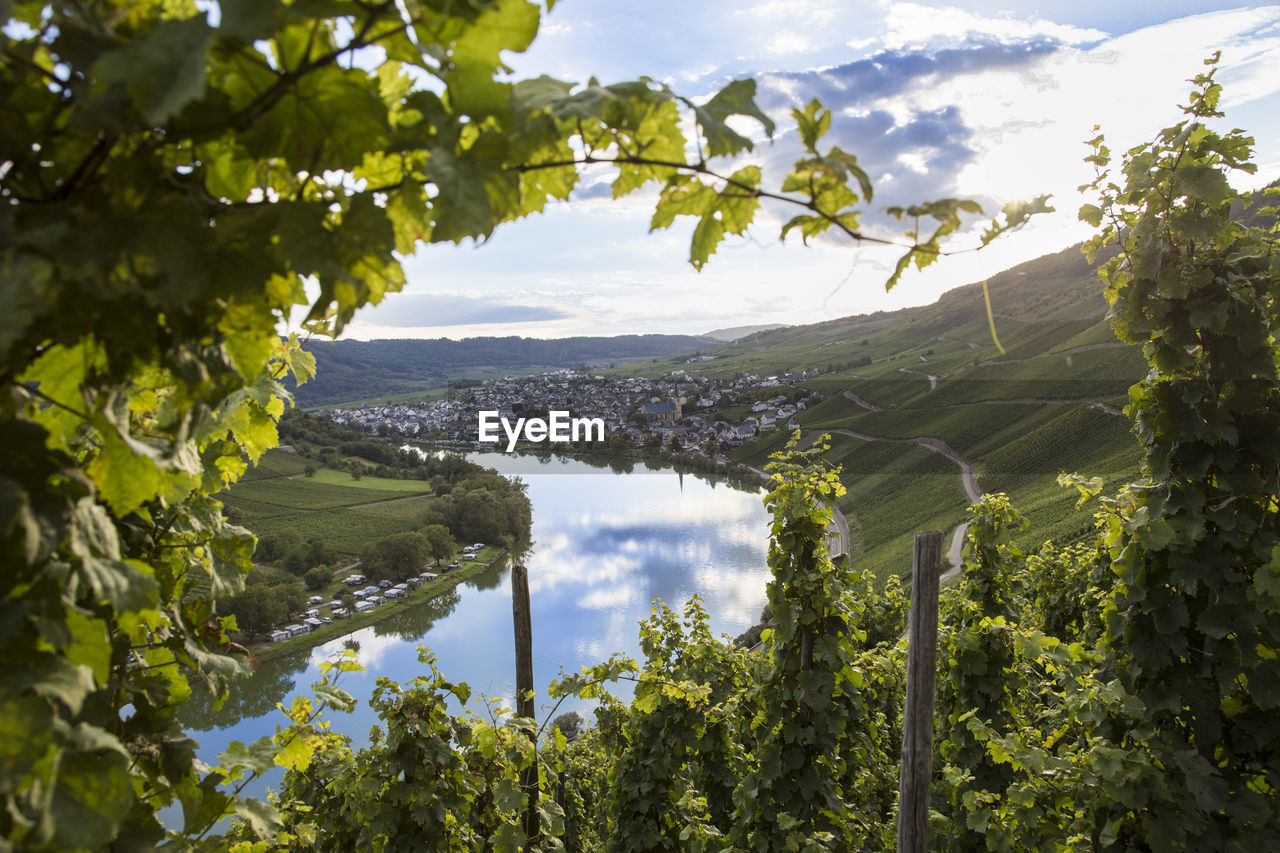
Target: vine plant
1194	621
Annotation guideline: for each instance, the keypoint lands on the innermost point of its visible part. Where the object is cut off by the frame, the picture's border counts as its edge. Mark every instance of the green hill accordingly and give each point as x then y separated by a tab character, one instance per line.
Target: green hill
919	381
352	372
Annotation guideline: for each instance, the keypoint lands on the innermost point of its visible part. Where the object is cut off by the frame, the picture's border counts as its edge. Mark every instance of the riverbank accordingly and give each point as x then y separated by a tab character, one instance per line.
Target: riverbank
266	651
605	546
734	473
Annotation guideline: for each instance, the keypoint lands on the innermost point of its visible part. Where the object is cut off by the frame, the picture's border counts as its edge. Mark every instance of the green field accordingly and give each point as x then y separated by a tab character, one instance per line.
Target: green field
409	397
384	484
332	505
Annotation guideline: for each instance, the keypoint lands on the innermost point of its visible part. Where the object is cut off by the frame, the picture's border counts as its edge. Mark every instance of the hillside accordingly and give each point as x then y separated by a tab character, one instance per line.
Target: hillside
733	333
353	371
917	396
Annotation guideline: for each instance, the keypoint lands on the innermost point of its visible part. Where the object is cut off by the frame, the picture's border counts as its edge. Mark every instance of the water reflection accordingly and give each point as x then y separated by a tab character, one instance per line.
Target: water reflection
605	546
270	685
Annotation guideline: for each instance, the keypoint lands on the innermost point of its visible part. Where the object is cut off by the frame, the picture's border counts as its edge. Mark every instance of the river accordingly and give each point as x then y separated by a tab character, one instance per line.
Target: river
606	544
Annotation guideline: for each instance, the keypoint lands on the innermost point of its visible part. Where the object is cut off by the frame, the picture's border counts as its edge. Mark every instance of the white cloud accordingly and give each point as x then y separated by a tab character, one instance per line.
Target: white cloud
373	649
914	25
609	598
953	102
787	42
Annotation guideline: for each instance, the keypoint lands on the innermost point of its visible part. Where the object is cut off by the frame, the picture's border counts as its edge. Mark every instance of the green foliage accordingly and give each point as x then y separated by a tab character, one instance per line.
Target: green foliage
440	543
329	518
1193	620
1147	721
318	578
812	691
172	183
259	608
722	746
397	556
570	724
677	757
169	185
976	658
426	775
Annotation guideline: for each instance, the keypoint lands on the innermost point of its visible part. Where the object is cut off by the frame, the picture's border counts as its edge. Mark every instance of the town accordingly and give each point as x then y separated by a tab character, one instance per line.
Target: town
677	412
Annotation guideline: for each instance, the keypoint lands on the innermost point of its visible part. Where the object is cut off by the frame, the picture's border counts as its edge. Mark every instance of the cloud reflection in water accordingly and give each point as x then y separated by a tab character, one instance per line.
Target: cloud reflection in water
606	546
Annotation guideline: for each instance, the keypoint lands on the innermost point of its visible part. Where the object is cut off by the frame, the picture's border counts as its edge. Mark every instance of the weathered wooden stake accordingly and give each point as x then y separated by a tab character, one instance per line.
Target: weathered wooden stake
917	718
524	691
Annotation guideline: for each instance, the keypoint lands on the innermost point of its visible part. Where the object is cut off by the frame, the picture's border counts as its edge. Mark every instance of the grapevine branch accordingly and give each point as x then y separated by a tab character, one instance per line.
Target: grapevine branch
747	191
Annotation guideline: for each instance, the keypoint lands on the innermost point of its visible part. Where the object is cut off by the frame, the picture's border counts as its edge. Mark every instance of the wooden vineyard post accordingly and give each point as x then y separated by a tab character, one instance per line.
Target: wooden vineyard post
917	718
524	692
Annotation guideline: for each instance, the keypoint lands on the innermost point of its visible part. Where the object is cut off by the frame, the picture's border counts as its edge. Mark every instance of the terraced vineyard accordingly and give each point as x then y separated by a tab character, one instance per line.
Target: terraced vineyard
1050	402
332	505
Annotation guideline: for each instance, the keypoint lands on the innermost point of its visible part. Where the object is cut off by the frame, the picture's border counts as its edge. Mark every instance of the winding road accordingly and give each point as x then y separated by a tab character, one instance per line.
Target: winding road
933	379
1069	351
967	479
863	403
937	445
840	536
1102	403
969	344
972	490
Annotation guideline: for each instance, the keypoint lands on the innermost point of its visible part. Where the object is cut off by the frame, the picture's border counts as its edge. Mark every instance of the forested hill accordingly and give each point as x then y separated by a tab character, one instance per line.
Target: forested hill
1056	288
348	371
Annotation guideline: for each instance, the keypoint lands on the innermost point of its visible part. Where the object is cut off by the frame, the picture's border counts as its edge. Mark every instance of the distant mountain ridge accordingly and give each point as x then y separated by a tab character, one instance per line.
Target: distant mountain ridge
733	333
348	371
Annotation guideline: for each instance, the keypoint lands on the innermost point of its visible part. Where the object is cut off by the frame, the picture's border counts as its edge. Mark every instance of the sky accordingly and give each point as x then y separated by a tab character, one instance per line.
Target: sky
988	100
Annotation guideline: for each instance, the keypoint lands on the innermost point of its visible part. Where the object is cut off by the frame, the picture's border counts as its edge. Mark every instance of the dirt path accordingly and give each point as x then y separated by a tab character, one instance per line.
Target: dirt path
1096	402
969	344
954	552
1069	351
971	487
933	380
937	445
863	403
